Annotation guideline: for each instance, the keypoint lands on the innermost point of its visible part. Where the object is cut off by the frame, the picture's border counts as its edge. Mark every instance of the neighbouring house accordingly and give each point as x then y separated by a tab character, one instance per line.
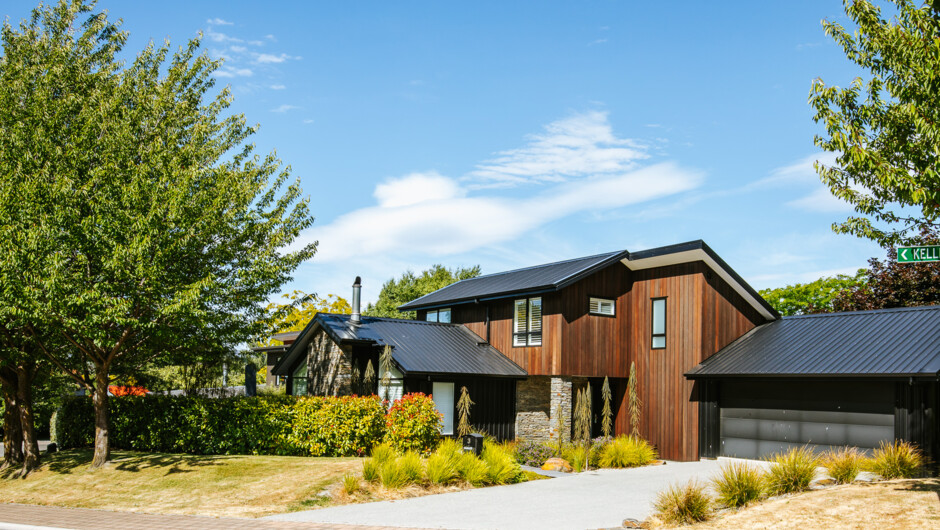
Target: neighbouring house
524	342
274	353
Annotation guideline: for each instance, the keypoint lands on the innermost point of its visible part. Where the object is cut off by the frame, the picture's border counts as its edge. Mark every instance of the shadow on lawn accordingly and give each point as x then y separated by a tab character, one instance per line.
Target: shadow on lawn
929	484
66	462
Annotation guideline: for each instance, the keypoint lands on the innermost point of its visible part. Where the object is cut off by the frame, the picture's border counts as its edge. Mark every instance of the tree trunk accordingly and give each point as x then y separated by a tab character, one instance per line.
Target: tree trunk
12	428
100	401
25	375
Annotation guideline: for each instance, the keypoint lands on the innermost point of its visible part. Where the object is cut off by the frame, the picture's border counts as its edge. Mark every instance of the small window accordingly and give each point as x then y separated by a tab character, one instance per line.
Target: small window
438	315
602	306
299	384
527	322
659	323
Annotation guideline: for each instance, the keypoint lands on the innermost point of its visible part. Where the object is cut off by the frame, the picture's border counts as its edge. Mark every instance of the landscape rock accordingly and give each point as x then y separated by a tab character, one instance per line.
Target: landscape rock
657	463
557	464
631	523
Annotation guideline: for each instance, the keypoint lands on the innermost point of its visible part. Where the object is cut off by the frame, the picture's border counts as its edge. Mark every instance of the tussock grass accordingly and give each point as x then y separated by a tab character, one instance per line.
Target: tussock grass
501	466
844	464
683	504
441	469
791	471
383	453
896	460
627	451
576	455
391	475
411	467
370	470
350	484
471	469
739	484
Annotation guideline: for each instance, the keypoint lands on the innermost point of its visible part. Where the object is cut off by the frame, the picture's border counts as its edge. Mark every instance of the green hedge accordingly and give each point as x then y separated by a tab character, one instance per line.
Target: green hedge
279	425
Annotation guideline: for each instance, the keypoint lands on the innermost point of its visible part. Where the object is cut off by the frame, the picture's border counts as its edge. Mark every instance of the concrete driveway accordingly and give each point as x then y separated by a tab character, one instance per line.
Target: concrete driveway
594	499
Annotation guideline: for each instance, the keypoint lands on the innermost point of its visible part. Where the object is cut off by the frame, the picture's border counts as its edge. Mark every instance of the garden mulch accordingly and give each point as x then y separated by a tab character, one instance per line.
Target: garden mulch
85	519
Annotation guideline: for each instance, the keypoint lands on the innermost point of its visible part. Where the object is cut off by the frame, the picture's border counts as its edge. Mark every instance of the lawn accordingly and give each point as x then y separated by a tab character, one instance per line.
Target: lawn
891	504
229	486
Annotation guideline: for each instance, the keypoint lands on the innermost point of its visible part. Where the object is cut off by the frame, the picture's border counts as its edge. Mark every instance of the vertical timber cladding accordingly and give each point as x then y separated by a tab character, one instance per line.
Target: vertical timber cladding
494	398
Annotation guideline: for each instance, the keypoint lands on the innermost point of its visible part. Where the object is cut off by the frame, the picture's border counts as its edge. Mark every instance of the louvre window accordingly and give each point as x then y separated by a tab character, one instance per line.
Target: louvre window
602	306
438	315
527	322
659	323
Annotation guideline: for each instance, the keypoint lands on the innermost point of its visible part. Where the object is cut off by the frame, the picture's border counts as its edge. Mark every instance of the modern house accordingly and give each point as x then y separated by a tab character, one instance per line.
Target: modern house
704	344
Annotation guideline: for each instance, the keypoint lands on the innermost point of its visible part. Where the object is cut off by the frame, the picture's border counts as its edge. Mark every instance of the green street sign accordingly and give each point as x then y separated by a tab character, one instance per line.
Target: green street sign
918	254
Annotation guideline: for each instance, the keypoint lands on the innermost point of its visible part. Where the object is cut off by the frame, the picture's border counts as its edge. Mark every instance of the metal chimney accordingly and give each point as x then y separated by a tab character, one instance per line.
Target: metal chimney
355	318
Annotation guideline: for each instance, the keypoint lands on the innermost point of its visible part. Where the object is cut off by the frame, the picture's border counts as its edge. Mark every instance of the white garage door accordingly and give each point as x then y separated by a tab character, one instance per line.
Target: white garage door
757	433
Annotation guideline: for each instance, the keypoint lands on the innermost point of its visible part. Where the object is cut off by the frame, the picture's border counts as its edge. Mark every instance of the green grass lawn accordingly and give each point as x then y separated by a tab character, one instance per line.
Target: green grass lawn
231	486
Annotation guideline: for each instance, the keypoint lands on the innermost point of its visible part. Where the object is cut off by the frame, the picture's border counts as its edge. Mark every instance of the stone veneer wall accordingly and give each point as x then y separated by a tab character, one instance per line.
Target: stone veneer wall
561	404
329	367
533	399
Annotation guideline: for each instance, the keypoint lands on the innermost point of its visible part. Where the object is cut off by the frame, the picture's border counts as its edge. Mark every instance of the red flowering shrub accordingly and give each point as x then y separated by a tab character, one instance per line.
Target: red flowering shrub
337	426
413	424
118	390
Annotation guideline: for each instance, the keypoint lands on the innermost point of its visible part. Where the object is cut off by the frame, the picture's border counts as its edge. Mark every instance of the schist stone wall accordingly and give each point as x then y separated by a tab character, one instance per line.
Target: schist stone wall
329	367
539	402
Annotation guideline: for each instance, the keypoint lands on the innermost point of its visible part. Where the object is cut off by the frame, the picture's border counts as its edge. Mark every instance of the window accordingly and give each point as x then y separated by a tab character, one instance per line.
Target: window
527	322
601	306
659	323
438	315
299	383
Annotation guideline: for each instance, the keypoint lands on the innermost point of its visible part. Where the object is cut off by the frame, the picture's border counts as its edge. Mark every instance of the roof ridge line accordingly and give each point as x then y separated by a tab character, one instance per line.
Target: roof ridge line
864	312
611	253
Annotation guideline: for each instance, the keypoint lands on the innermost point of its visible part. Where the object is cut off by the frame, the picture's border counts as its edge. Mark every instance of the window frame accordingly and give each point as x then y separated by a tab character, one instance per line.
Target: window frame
653	334
528	333
437	315
613	306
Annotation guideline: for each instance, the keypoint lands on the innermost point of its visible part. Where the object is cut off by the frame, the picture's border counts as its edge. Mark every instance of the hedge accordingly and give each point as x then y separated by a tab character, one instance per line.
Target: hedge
279	425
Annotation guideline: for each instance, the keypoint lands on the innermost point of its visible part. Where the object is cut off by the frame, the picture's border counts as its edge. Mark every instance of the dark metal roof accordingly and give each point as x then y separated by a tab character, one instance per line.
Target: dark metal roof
418	347
541	278
901	342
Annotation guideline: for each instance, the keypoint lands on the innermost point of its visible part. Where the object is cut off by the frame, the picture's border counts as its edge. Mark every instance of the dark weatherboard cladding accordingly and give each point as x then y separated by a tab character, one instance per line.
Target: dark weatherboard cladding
902	342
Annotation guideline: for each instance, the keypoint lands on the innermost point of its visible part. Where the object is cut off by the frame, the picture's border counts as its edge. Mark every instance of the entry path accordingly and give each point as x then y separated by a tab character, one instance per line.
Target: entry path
593	499
29	517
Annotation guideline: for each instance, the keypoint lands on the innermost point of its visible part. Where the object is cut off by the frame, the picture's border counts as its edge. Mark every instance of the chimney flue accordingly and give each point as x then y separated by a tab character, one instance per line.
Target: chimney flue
355	318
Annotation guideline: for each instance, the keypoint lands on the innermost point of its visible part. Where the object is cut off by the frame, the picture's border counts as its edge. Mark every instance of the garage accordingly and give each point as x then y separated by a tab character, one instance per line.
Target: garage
823	381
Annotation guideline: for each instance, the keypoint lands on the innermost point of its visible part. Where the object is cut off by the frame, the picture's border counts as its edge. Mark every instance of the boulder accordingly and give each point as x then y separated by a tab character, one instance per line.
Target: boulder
557	464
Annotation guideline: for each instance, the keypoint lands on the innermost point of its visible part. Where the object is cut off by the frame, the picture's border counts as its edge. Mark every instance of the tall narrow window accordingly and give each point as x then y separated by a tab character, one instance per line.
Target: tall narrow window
527	322
659	323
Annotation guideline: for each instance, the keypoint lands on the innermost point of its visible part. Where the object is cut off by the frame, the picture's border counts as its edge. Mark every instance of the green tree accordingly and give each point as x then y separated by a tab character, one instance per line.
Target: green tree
813	297
886	130
410	287
137	221
300	310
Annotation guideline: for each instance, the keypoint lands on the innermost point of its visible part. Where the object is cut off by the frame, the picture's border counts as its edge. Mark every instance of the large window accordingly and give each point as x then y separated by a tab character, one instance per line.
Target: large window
659	323
527	322
438	315
601	306
299	383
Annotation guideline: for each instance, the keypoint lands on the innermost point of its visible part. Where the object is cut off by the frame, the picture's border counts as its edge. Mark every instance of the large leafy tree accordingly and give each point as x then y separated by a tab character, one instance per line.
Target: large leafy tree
812	297
138	224
886	130
300	310
410	286
891	284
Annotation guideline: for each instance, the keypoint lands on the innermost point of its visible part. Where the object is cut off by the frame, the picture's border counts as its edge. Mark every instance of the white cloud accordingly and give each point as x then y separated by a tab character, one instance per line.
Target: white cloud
799	172
284	108
431	214
218	36
308	121
219	22
578	146
228	71
277	87
267	58
597	41
238	49
821	200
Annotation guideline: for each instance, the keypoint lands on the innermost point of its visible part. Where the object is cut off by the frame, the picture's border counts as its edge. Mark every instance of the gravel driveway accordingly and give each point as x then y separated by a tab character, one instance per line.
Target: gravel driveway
594	499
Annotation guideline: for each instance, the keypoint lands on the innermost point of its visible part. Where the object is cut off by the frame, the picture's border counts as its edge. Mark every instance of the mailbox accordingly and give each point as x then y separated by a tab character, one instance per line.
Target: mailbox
473	443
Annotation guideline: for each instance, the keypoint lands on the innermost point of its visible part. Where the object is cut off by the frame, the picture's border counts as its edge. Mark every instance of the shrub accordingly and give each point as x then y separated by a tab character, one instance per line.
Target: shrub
441	469
471	469
370	470
501	466
412	423
896	460
533	453
597	448
627	451
391	475
791	471
577	455
843	465
411	467
283	425
350	484
683	504
738	485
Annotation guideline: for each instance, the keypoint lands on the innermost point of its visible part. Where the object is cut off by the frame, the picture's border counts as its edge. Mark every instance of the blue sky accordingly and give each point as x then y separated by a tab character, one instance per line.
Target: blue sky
508	134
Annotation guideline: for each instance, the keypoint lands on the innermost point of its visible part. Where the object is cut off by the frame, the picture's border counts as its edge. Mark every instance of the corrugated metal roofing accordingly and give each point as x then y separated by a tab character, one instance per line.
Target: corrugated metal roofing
418	347
887	342
550	276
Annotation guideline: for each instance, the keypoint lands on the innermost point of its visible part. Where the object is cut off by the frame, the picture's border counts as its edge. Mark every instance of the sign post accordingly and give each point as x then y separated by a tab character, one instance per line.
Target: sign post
919	254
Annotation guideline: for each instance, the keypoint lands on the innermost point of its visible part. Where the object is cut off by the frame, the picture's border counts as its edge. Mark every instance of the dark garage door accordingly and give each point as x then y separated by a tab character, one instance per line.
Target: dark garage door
759	418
